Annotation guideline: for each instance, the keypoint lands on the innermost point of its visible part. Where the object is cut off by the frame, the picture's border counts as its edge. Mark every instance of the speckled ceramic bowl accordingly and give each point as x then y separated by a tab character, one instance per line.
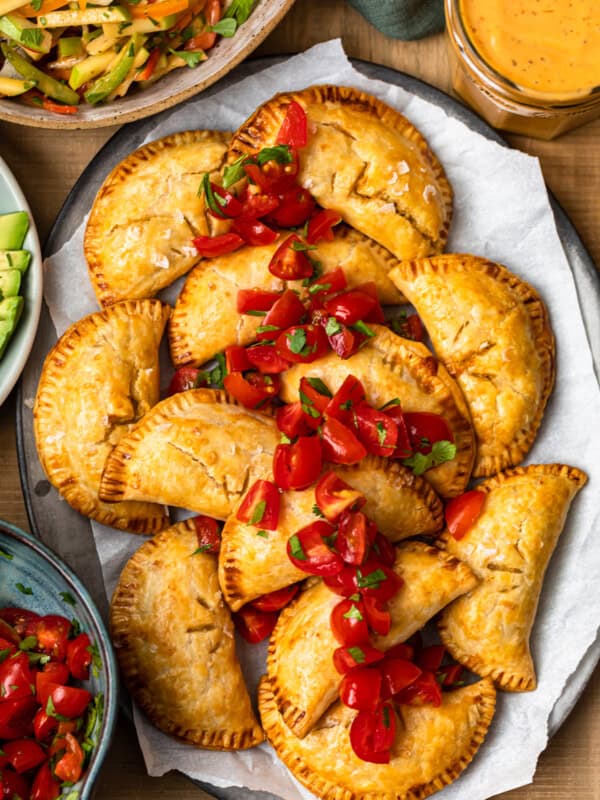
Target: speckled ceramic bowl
168	91
26	562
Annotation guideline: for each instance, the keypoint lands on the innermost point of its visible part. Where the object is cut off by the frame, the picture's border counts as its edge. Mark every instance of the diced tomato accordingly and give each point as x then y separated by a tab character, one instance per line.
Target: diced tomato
44	786
79	656
236	358
253	231
409	327
424	690
450	676
185	378
16	717
208	534
302	343
348	658
308	550
69	701
376	430
344	583
404	651
463	511
213	246
351	306
344	342
425	428
403	445
256	203
44	725
430	658
254	625
314	394
320	226
379	618
297	465
397	674
53	674
293	421
23	754
255	300
349	623
251	390
13	786
7	647
260	506
18	619
295	207
356	534
52	633
334	496
294	129
281	175
275	601
16	678
266	359
285	312
290	262
68	767
374	579
372	734
227	207
328	283
348	397
340	445
360	688
384	550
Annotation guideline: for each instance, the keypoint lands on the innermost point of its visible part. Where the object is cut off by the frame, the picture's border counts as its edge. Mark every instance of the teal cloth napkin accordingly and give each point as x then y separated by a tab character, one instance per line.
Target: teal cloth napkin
403	19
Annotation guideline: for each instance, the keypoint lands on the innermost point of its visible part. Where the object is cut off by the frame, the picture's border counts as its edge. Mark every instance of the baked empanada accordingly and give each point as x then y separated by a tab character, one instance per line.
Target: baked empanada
431	748
391	367
97	381
367	162
139	234
299	663
400	503
204	320
508	548
195	450
174	641
491	331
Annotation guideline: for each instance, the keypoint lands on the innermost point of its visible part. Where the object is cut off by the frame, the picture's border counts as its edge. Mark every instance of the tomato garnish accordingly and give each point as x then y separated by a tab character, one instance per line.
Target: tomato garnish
256	203
344	583
356	534
384	550
328	283
430	658
290	262
16	717
376	430
16	678
404	651
253	231
44	786
320	227
347	658
342	341
360	688
424	690
379	618
23	754
314	395
293	421
260	506
221	203
251	390
349	623
213	246
68	767
236	358
79	656
69	701
297	465
348	397
374	579
354	305
397	674
393	409
424	429
18	619
463	511
265	358
372	734
184	379
44	725
302	343
285	312
208	534
334	496
13	785
450	676
254	625
340	445
294	208
52	632
308	550
53	674
294	129
249	300
275	601
409	326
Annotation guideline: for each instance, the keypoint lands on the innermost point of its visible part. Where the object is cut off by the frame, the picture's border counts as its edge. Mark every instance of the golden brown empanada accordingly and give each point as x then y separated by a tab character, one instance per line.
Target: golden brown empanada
95	385
299	663
491	331
431	748
139	234
173	637
400	503
196	450
204	319
508	548
390	367
367	162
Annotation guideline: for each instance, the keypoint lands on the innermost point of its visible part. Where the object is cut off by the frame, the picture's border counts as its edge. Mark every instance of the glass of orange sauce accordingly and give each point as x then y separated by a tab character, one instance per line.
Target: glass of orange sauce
527	66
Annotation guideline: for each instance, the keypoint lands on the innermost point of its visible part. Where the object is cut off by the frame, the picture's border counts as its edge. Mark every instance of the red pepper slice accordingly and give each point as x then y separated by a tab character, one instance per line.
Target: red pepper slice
290	262
275	601
255	300
376	430
348	622
424	429
208	534
356	534
340	445
184	379
360	689
292	421
23	754
463	511
236	358
251	390
334	496
348	658
294	129
285	312
266	359
297	465
79	656
254	625
320	227
213	246
253	231
302	343
308	550
295	207
430	658
260	506
379	618
397	674
424	690
372	734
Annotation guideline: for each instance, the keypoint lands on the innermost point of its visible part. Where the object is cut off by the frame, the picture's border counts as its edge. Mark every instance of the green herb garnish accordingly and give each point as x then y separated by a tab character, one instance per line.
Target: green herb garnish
441	452
68	598
24	589
296	548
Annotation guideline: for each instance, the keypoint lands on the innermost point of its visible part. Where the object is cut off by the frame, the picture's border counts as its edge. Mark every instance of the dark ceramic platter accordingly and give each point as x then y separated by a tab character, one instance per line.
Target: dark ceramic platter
68	533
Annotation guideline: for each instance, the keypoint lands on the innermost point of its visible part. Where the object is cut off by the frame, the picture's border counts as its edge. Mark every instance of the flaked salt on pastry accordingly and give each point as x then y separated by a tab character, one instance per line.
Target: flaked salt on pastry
174	640
93	389
508	548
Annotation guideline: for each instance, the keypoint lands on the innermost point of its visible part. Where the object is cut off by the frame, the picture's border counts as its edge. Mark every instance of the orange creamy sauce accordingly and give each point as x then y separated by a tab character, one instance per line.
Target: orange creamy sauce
548	46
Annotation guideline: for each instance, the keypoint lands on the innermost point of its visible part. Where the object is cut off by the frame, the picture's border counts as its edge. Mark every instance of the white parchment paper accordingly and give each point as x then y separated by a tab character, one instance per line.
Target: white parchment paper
501	212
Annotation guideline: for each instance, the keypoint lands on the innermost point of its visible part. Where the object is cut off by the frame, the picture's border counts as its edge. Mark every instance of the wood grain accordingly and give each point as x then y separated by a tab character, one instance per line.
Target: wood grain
47	164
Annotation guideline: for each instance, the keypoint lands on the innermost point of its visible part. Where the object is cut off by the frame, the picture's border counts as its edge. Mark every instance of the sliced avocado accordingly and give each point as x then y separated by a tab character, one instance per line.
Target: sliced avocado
10	311
89	68
13	228
10	283
15	259
46	84
100	89
25	33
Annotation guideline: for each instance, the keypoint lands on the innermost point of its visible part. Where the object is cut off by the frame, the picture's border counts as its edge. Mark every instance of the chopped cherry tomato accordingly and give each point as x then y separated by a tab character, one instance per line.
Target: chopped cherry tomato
348	658
13	786
372	734
302	343
281	175
404	651
7	647
68	767
285	312
23	754
227	207
236	358
308	550
356	534
53	673
344	342
185	378
260	506
251	390
18	619
297	465
266	359
253	231
16	678
256	203
290	262
450	676
376	430
349	623
295	207
79	656
314	394
293	421
360	689
379	618
430	658
340	445
69	701
213	246
403	446
351	306
328	283
52	632
463	511
424	690
44	725
208	534
255	300
254	625
16	717
275	601
344	583
409	326
349	396
424	429
374	579
384	550
320	227
397	674
44	786
334	496
294	129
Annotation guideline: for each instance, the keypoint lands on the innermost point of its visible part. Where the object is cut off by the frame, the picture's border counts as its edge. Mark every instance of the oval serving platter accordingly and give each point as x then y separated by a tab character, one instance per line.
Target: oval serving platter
50	518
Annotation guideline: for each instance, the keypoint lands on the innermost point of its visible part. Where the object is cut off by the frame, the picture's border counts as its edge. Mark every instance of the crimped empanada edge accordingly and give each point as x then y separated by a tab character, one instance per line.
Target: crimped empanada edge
324	789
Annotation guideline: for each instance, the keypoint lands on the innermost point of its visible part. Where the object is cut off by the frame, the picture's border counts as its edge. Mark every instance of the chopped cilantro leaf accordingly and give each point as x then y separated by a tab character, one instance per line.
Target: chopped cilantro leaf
68	598
5	555
232	173
441	452
256	313
301	247
283	439
319	287
386	716
318	384
353	613
362	327
296	548
317	511
381	433
358	654
266	329
262	533
332	327
370	581
395	401
296	340
204	548
24	589
259	512
240	10
225	27
281	153
28	643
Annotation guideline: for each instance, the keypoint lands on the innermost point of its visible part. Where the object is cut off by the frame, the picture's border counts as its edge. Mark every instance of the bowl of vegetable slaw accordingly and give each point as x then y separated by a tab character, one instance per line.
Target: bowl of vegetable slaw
77	64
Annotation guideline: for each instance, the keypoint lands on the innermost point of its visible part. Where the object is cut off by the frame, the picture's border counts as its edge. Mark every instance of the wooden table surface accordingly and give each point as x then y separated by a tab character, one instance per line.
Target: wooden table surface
47	164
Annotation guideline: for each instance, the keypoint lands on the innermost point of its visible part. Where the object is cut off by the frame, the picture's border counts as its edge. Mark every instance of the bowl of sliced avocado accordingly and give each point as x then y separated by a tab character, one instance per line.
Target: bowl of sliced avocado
20	281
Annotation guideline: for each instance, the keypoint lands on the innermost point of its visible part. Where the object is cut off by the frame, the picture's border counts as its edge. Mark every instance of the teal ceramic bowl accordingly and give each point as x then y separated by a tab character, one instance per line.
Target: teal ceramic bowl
55	589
